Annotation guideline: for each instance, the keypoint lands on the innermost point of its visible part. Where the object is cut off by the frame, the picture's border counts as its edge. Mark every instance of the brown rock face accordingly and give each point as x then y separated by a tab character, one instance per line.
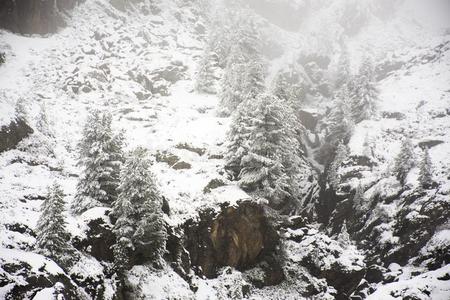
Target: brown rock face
239	236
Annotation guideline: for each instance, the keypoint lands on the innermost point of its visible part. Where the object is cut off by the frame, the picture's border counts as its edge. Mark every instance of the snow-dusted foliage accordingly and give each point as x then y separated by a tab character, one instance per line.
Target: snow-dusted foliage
404	161
52	237
139	226
101	158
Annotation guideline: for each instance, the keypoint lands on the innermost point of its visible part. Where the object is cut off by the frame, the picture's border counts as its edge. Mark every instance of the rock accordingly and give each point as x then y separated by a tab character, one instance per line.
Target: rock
34	17
393	115
181	165
239	236
168	158
308	119
186	146
213	184
99	241
375	274
13	133
429	143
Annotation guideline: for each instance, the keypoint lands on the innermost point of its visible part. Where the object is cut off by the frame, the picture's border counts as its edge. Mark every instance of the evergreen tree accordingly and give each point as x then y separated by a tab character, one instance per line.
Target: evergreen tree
364	94
238	135
272	161
425	173
343	237
343	68
21	111
340	156
205	81
404	162
358	199
43	124
52	240
101	157
140	225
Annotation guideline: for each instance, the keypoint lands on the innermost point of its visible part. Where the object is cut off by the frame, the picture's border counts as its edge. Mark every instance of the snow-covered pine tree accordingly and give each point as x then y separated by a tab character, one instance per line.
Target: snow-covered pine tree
404	161
363	93
52	239
43	124
343	237
21	110
343	69
101	157
358	199
238	135
140	225
205	79
340	156
272	161
425	172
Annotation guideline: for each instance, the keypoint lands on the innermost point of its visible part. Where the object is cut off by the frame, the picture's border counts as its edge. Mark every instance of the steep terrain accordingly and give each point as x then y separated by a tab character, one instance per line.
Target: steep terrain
138	59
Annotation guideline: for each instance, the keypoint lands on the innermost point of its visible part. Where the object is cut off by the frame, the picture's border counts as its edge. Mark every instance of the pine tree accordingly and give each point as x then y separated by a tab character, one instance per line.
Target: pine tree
364	94
358	199
272	160
404	162
343	68
238	135
340	156
21	110
205	80
425	173
343	237
101	157
140	225
52	239
43	124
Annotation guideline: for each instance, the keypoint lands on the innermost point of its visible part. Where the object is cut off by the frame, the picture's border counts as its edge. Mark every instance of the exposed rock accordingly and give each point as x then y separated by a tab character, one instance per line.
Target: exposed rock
186	146
181	165
99	241
13	133
308	119
238	236
34	17
168	158
213	184
430	143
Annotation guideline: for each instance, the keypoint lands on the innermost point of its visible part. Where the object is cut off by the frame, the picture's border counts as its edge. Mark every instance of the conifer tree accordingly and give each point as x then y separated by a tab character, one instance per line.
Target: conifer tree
343	237
52	239
43	124
140	225
340	156
404	162
364	94
343	68
205	80
272	160
425	172
21	111
358	199
238	135
101	157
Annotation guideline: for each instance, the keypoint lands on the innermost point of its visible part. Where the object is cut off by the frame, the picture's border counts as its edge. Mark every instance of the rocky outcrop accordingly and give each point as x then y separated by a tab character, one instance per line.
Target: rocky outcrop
13	133
34	16
238	236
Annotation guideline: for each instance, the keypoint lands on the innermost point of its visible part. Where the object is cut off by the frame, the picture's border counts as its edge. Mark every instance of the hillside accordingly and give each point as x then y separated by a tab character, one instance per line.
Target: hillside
357	233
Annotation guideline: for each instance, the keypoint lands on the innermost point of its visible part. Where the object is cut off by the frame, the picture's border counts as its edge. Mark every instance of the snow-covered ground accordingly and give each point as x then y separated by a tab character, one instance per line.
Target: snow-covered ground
94	63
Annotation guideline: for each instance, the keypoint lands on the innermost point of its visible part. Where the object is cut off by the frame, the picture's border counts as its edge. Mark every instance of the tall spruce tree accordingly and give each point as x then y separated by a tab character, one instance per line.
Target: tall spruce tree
343	69
333	171
138	208
101	157
52	239
205	79
404	161
272	160
363	93
425	172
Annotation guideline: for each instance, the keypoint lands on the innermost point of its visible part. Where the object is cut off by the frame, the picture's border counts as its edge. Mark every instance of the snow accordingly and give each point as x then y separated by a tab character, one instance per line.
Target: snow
429	285
36	261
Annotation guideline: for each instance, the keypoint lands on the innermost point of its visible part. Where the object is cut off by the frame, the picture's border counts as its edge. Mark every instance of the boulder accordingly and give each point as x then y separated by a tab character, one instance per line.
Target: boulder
34	17
12	134
238	236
